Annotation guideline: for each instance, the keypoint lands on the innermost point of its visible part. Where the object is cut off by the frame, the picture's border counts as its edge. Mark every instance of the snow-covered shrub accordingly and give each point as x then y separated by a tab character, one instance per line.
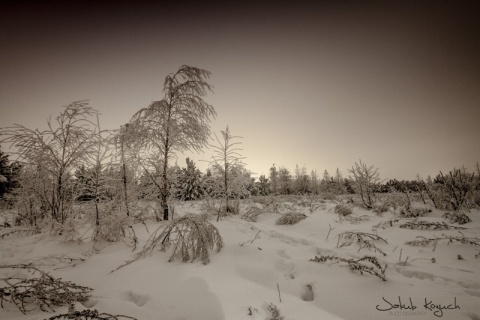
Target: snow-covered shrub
410	212
252	214
459	186
457	217
343	209
329	196
290	218
190	237
365	181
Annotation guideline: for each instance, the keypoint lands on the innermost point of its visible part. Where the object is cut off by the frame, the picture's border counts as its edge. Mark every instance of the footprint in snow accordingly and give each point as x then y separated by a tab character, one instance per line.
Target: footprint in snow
137	298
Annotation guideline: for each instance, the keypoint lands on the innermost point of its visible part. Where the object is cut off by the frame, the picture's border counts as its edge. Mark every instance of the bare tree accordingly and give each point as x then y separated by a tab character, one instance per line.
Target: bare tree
178	122
365	180
227	161
55	152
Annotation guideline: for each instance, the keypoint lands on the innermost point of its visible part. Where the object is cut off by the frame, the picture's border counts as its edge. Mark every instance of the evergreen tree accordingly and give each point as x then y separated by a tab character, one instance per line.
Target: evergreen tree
190	182
263	186
284	181
9	173
273	179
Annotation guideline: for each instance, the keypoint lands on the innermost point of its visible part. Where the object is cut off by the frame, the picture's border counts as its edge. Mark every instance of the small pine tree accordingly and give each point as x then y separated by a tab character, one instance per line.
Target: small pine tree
190	182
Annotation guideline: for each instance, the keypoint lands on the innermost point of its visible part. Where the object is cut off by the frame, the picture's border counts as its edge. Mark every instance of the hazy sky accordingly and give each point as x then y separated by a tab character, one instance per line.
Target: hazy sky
318	84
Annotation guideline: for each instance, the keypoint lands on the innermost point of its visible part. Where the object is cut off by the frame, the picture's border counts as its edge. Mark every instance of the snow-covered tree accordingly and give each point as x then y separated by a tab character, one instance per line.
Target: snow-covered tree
189	182
227	164
273	179
284	181
55	153
314	184
365	180
263	186
9	172
301	183
178	122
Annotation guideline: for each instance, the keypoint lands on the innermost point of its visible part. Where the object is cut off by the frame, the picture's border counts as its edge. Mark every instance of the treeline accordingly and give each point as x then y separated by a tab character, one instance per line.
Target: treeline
74	170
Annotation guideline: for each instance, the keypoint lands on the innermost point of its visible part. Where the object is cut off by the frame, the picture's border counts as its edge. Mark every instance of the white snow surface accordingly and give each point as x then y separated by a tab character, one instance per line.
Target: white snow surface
250	273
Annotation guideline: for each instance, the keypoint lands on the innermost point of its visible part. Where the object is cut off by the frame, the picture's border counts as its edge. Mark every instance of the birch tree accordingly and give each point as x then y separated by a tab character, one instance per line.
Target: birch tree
55	153
178	122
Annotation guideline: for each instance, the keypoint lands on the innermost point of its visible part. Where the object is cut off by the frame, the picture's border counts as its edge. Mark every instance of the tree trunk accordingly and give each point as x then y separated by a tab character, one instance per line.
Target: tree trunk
124	178
164	193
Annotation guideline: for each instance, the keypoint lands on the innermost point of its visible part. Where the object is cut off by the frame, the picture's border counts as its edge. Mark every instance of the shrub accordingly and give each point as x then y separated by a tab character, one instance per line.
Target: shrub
343	209
190	237
366	179
457	217
290	218
252	214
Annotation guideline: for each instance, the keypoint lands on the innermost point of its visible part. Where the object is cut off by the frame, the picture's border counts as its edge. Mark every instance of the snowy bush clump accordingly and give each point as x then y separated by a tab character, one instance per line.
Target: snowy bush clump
190	237
252	214
290	218
343	209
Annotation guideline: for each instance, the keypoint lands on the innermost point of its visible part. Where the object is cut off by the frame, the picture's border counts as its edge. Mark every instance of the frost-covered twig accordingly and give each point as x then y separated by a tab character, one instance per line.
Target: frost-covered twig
43	292
375	269
251	241
423	225
457	217
20	232
363	239
423	241
384	224
275	312
89	315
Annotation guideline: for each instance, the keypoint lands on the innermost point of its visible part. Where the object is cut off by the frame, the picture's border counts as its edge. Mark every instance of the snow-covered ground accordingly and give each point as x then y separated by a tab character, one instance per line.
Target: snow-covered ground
263	263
